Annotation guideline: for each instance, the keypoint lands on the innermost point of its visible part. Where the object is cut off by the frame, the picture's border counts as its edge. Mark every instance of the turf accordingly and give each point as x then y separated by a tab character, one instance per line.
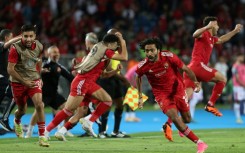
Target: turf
219	141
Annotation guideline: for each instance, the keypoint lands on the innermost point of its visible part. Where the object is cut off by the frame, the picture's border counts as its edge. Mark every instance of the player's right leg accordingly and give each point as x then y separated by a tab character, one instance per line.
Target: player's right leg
20	99
80	112
71	105
17	119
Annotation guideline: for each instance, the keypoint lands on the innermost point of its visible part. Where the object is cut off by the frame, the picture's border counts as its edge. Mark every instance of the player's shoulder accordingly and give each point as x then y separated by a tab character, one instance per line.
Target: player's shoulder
142	63
166	53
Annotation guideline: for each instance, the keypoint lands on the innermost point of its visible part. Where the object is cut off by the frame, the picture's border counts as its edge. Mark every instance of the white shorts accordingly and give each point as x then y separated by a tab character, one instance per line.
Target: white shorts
238	93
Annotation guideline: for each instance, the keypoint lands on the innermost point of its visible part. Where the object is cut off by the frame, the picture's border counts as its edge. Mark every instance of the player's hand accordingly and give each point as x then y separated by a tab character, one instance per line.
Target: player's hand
238	28
119	35
140	103
210	25
30	84
197	87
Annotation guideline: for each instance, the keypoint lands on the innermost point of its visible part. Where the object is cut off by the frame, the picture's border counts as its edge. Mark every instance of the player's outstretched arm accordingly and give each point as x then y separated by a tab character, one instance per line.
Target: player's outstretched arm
192	76
229	35
11	41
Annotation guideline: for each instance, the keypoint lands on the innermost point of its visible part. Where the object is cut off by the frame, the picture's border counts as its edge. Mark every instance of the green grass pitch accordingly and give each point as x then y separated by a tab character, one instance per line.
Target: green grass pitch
218	140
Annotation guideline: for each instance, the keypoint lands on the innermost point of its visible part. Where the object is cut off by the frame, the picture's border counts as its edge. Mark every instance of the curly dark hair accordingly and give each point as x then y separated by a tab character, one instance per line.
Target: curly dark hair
150	41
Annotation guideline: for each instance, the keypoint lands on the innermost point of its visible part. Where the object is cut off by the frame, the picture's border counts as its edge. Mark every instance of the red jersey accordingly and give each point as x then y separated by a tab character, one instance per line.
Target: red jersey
163	75
203	48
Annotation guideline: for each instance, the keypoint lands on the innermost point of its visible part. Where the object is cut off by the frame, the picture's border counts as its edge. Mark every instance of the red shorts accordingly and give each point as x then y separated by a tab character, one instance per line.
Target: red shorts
82	86
203	74
180	103
21	92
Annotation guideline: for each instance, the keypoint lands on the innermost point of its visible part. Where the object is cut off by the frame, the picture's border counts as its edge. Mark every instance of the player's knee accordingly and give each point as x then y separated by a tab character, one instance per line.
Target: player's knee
187	119
39	106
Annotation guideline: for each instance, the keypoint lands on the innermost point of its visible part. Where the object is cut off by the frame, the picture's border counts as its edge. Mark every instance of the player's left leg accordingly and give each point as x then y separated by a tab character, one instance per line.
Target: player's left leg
220	82
183	128
39	108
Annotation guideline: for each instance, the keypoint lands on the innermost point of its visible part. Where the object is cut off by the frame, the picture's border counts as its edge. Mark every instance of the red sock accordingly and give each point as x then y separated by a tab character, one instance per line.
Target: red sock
217	90
41	128
17	121
59	117
101	109
190	135
169	121
68	125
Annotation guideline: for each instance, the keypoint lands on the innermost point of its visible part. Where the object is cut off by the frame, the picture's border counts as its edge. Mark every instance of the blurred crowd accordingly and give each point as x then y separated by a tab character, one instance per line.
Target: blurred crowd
65	22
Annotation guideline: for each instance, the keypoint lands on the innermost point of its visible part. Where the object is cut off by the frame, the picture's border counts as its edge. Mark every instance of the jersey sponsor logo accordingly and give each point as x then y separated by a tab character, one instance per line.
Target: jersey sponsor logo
206	67
141	63
150	71
169	54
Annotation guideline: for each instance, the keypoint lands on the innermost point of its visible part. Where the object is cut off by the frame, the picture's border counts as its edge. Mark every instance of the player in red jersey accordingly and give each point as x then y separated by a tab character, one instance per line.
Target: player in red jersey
24	58
205	38
84	84
162	71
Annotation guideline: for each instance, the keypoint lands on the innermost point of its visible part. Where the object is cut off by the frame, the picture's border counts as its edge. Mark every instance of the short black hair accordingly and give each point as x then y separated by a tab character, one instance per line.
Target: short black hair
110	38
28	27
149	41
207	19
4	33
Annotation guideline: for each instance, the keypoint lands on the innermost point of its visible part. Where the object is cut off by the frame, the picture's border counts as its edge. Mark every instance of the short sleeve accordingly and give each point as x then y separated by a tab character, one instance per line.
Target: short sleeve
139	70
177	61
109	53
13	55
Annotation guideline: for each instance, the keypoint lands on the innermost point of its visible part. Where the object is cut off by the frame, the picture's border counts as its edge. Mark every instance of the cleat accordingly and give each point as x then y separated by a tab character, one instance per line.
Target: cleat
60	136
69	134
119	134
5	125
28	135
18	130
239	121
167	131
201	147
103	135
43	141
87	126
181	134
213	110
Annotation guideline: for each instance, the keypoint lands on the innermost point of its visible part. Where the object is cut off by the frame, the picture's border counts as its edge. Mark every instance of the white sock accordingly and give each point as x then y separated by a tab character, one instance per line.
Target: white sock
62	130
127	114
30	129
88	117
237	110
